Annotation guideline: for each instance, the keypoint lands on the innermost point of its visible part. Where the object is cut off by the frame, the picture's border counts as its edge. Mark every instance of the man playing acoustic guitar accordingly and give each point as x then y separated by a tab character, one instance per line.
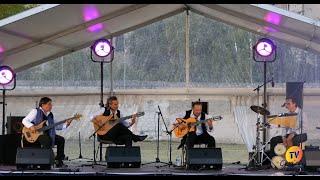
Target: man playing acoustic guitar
200	133
119	133
49	138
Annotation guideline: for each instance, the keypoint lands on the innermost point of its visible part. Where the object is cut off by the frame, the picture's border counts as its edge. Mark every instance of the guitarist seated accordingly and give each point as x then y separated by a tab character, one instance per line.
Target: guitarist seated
119	133
200	135
49	138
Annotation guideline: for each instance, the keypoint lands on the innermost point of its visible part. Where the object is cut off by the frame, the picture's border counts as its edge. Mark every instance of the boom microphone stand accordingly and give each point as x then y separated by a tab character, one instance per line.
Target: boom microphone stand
158	141
170	139
94	146
257	157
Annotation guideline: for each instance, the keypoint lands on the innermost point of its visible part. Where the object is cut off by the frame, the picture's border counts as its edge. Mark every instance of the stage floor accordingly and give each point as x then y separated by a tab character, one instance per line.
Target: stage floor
83	167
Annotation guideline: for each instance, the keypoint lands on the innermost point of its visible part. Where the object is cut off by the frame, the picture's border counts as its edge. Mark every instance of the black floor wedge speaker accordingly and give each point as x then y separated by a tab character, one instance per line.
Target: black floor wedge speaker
8	148
34	158
127	157
207	158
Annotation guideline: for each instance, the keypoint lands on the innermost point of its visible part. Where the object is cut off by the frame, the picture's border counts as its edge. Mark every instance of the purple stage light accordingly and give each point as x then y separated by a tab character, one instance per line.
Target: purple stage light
90	12
102	47
6	75
264	47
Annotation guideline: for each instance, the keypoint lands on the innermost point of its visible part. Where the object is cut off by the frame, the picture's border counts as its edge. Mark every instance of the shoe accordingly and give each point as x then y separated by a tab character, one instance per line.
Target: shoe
137	138
141	138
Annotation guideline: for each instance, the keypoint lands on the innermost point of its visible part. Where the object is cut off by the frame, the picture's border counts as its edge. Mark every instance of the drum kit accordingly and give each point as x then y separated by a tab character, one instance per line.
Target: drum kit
278	161
283	155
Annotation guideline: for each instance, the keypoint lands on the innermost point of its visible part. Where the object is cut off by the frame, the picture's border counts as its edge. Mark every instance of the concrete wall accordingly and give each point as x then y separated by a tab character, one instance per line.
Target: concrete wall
173	103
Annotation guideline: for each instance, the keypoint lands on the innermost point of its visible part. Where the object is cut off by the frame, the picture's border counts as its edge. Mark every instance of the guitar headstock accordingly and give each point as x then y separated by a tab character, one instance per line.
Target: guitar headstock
140	114
77	116
217	118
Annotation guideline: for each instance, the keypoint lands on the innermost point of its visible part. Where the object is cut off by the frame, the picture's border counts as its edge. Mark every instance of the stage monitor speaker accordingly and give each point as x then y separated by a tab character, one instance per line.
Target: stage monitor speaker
8	148
295	90
210	158
312	159
123	157
14	124
34	158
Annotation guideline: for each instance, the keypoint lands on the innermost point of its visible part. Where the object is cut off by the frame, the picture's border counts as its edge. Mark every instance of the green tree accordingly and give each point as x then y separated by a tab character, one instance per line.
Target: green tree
7	10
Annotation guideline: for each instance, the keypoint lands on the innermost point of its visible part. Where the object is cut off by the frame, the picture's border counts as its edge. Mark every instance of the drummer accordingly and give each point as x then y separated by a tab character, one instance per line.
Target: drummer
287	137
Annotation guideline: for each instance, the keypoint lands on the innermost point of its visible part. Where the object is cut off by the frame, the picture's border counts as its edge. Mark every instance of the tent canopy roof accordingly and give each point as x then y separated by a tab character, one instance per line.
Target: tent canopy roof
50	31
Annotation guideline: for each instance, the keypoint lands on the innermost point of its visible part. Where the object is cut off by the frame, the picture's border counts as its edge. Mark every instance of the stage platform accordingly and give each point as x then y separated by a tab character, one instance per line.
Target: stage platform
85	168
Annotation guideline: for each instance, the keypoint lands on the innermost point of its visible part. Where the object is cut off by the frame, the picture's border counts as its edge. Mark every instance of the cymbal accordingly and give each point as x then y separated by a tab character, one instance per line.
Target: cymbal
260	110
282	115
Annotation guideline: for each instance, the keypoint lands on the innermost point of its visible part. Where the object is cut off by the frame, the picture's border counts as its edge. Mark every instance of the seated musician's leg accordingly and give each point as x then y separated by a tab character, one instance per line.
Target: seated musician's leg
60	141
205	138
123	130
211	142
182	142
120	130
45	141
125	139
116	131
191	139
28	144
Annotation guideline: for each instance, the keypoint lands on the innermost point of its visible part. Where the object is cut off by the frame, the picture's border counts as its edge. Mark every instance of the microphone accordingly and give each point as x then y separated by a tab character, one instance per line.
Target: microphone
283	105
272	82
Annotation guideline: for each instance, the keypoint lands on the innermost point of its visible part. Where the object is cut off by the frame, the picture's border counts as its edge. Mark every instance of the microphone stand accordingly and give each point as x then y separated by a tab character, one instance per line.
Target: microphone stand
80	152
158	141
94	146
170	139
257	161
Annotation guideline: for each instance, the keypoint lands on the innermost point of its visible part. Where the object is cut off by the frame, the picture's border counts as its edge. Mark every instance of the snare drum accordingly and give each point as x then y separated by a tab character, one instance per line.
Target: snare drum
278	162
280	149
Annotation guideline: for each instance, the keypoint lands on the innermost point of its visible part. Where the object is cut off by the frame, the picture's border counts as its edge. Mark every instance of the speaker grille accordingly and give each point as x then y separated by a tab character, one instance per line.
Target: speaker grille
204	156
34	156
123	156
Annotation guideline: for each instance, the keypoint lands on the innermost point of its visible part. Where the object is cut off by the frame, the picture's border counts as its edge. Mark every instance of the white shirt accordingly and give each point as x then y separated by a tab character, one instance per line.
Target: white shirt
27	121
299	119
101	111
199	128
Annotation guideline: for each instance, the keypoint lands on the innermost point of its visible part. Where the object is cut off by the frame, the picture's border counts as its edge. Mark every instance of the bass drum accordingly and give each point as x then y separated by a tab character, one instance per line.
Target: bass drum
278	162
280	149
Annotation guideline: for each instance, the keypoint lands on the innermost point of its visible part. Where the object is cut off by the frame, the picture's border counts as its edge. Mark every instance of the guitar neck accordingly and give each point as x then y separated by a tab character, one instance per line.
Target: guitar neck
45	128
215	118
124	118
128	117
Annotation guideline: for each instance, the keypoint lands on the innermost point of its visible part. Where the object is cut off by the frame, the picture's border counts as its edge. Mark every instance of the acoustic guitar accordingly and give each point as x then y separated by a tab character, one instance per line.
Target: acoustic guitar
102	124
183	126
32	135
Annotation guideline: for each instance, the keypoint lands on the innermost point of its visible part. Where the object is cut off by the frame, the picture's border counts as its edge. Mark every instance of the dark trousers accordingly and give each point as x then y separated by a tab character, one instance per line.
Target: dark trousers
204	138
119	134
45	141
